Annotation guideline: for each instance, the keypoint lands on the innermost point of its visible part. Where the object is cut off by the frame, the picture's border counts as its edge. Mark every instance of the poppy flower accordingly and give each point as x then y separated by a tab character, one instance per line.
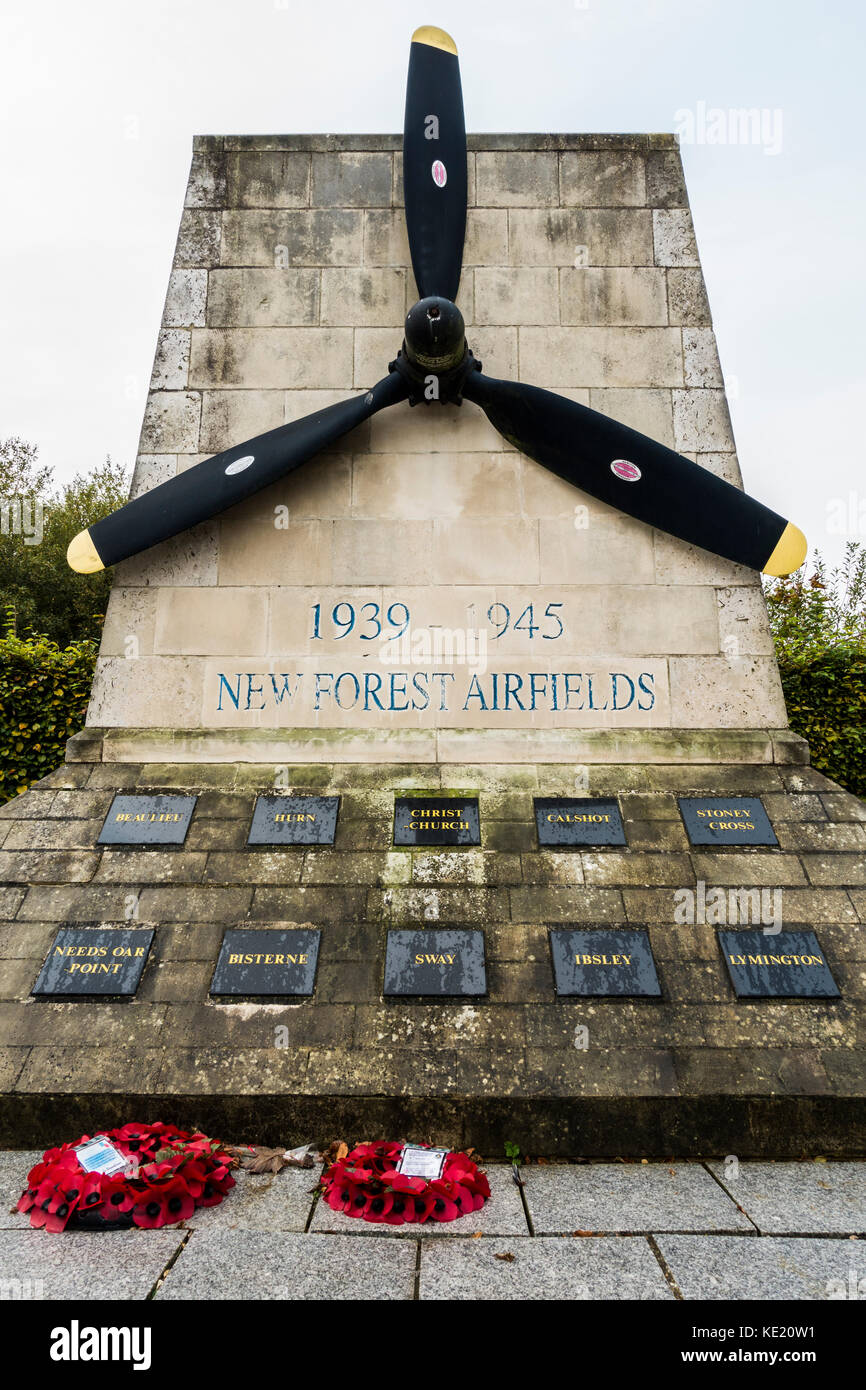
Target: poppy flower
164	1205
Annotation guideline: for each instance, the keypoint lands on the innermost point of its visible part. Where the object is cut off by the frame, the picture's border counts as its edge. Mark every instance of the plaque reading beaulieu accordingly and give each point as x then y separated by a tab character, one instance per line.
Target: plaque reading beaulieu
604	962
726	820
436	820
564	821
147	820
435	962
786	965
294	820
86	960
266	962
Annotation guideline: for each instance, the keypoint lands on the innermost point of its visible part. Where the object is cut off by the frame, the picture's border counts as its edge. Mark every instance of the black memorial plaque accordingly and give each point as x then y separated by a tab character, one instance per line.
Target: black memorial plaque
602	962
784	965
430	961
147	820
726	820
564	821
294	820
436	820
91	961
266	962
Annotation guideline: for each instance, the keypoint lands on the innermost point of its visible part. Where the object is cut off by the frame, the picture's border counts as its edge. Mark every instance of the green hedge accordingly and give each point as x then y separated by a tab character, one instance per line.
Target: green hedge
44	691
826	698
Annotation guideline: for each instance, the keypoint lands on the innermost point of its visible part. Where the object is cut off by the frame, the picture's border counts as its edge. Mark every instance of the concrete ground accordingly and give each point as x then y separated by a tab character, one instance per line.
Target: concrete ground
692	1230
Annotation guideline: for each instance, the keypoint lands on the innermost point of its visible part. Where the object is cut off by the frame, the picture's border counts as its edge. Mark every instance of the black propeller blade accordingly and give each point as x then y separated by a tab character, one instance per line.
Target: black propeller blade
434	163
638	476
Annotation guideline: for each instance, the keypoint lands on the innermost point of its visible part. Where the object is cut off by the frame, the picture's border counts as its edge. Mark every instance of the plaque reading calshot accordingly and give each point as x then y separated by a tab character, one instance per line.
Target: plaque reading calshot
430	961
726	820
266	962
89	960
436	820
602	962
294	820
787	965
147	820
564	821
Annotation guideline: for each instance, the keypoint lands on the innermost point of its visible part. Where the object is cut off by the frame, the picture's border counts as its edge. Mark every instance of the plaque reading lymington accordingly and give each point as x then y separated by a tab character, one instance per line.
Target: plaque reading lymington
784	965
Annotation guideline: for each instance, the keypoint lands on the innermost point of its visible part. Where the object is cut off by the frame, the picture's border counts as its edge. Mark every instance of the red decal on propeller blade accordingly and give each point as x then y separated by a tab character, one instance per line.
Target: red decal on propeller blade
629	472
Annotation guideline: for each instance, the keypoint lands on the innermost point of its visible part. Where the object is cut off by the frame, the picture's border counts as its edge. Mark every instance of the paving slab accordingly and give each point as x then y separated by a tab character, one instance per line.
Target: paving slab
255	1265
15	1164
628	1197
562	1268
502	1215
84	1264
262	1202
800	1198
765	1267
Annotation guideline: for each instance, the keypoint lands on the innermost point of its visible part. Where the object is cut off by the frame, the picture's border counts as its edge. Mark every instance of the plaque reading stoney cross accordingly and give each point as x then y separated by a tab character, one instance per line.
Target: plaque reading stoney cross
726	820
783	966
89	961
435	962
604	962
436	820
578	821
294	820
266	962
147	820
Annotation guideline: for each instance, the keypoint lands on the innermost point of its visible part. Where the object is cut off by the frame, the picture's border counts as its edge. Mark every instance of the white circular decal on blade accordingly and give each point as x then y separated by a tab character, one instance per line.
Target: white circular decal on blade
440	174
628	472
240	464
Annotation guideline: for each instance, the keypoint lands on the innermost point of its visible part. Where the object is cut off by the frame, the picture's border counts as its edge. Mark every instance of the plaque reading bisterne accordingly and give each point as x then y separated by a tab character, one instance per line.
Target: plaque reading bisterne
266	962
294	820
726	820
787	965
430	961
147	820
88	961
602	962
436	820
564	821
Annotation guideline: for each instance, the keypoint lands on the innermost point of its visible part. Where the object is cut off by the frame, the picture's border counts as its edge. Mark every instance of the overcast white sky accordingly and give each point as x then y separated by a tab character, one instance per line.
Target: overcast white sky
100	101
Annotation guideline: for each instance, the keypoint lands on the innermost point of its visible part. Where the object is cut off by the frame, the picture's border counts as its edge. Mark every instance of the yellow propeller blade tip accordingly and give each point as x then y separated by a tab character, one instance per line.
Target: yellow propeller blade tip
789	554
434	38
82	556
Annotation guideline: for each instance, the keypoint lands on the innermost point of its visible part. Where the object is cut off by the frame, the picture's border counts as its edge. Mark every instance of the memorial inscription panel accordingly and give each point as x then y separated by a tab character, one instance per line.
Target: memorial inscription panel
564	821
92	960
436	820
784	965
147	820
429	961
294	820
603	963
266	962
726	820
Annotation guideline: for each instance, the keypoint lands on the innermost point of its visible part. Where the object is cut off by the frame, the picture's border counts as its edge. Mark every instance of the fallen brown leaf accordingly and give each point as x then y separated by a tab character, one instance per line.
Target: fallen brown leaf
506	1256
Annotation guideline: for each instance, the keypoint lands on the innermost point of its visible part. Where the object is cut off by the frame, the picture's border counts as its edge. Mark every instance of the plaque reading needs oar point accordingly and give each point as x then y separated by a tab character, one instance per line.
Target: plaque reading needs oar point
436	820
785	965
564	821
726	820
429	962
266	962
147	820
294	820
601	962
87	960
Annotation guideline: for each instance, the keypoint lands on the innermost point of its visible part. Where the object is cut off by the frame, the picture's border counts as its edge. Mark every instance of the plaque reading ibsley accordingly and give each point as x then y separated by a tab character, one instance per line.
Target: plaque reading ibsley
429	961
436	820
86	960
147	820
604	962
266	962
726	820
786	965
564	821
294	820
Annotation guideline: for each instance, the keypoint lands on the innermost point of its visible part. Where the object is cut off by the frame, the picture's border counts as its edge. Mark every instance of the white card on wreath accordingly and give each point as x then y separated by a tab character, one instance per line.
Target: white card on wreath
417	1162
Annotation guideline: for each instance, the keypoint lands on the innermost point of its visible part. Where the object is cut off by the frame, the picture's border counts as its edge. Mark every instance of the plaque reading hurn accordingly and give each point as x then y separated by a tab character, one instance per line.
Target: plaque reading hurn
783	966
266	962
436	820
726	820
294	820
435	962
603	962
147	820
577	821
89	961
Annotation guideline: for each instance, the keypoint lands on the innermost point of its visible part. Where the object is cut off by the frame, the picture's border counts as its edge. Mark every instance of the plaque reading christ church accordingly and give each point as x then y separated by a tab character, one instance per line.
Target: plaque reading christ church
726	820
147	820
577	821
266	962
436	820
294	820
604	962
781	966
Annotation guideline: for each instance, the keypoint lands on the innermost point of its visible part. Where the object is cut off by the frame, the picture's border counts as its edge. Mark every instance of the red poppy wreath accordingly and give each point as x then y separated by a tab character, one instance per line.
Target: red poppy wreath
368	1183
158	1176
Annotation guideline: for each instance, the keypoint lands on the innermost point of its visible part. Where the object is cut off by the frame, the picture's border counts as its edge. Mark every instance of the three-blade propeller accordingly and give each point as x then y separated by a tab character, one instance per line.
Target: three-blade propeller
606	459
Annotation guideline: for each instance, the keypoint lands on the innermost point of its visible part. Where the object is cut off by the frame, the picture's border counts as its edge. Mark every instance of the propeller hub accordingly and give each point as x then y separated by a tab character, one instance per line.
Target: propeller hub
435	335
